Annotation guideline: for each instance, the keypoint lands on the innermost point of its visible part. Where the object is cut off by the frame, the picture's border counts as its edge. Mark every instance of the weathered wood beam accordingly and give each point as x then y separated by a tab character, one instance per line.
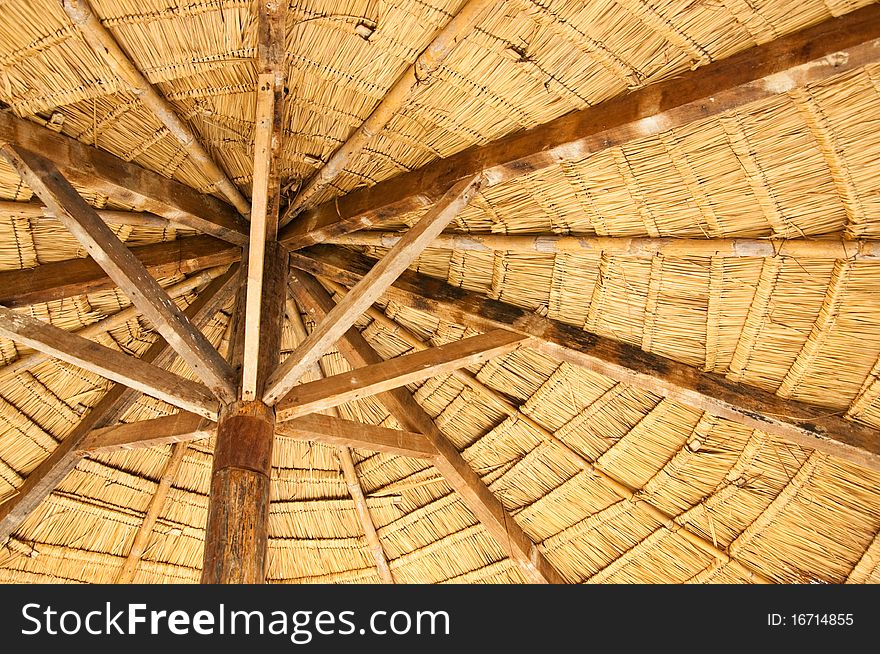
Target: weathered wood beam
109	363
266	179
345	387
369	289
176	428
31	359
808	425
816	53
105	46
312	297
826	247
125	269
63	279
413	78
38	213
126	182
43	480
142	537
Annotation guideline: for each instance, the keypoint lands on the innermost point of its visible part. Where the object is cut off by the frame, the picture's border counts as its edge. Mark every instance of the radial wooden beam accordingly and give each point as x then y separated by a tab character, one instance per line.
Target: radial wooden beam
142	537
107	49
126	182
826	247
109	363
413	78
43	480
369	289
38	213
311	296
64	279
811	55
266	179
805	424
345	387
125	269
176	428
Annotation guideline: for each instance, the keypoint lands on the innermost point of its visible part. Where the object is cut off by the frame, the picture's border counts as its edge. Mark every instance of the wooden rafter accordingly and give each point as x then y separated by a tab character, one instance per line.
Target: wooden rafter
807	425
345	387
124	268
107	362
106	48
37	213
142	537
63	279
126	182
266	179
369	289
413	78
176	428
828	247
811	55
52	470
311	296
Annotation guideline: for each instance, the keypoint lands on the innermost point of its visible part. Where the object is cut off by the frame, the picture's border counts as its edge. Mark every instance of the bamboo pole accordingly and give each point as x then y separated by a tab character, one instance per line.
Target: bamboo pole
591	468
418	74
837	246
106	47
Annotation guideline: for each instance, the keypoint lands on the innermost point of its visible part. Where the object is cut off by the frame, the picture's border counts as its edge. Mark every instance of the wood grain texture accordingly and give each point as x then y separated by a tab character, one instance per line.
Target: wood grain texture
177	428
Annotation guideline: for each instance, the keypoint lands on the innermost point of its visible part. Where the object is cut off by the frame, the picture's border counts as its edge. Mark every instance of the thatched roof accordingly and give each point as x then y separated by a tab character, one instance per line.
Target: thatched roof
801	163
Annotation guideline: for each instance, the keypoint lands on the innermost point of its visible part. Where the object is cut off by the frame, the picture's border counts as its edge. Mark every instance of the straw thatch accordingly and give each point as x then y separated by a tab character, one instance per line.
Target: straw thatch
674	490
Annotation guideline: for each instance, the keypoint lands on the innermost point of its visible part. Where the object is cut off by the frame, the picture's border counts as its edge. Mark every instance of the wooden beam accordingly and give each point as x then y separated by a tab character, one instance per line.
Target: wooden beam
345	387
107	49
109	363
812	55
64	279
38	213
266	179
124	268
31	359
348	433
369	289
126	182
827	247
312	297
176	428
415	77
43	480
805	424
142	537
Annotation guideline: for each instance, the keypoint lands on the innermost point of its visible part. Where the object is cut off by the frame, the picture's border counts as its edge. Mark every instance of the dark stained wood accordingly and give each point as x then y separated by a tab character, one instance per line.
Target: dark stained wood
64	279
126	182
109	363
236	536
43	480
371	286
312	297
123	267
348	433
177	428
816	53
805	424
345	387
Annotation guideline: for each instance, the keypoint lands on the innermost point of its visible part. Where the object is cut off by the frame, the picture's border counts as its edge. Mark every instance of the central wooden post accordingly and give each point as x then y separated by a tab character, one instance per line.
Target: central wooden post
236	537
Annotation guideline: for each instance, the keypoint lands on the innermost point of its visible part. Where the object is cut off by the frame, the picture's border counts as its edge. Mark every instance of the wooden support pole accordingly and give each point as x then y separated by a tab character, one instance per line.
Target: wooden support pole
106	48
38	213
310	295
799	422
826	247
237	536
369	289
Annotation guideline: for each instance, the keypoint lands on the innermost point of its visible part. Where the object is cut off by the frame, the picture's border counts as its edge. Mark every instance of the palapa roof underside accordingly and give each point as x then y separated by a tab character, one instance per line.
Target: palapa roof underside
799	164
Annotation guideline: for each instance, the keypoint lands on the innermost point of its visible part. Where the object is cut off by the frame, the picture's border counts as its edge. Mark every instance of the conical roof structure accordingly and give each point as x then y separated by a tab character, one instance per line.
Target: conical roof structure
622	256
